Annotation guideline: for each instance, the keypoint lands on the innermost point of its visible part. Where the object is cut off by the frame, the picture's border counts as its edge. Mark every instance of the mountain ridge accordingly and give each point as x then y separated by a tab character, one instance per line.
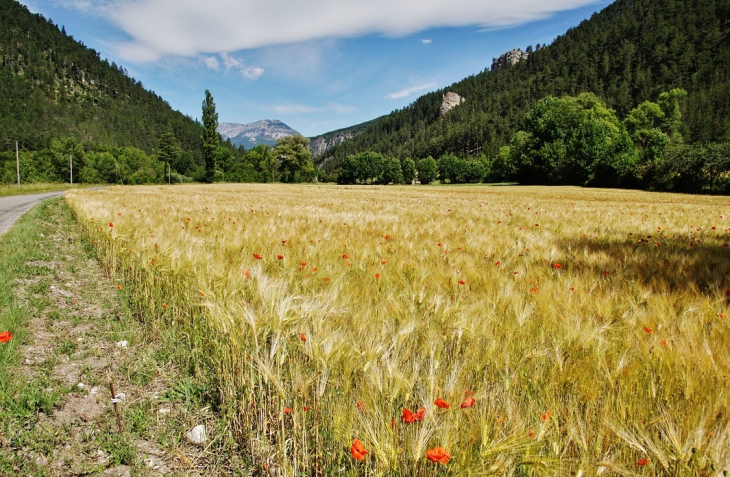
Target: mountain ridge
264	131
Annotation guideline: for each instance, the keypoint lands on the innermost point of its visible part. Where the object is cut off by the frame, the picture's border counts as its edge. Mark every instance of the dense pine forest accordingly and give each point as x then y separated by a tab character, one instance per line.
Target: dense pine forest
55	87
627	54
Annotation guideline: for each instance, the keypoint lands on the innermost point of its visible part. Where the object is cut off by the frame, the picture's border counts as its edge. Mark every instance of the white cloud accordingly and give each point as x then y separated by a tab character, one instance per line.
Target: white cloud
410	90
426	41
252	72
230	62
192	27
212	63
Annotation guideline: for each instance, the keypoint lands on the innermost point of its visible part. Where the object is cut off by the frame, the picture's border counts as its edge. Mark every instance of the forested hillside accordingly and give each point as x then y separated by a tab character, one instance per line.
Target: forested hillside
627	54
54	87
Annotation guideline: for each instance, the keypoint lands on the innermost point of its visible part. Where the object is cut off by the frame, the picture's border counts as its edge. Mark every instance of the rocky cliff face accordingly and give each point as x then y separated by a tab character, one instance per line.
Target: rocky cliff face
451	100
508	59
250	135
319	144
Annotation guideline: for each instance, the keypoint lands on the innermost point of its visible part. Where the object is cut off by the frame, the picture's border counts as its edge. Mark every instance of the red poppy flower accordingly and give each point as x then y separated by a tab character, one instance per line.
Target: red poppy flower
280	257
257	256
164	305
358	450
377	275
462	282
642	462
664	343
498	263
303	264
438	454
546	415
441	403
111	224
532	433
287	410
5	336
408	417
647	329
383	262
345	256
119	286
361	406
537	225
533	290
303	337
556	265
387	237
468	402
438	244
571	288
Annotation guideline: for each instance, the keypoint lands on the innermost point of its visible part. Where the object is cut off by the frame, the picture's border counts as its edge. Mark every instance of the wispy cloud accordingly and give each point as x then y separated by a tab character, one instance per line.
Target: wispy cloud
410	90
170	27
212	63
426	41
251	72
296	108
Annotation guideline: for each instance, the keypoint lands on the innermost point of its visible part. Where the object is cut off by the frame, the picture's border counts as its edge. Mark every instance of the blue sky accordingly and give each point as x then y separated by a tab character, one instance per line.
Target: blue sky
318	65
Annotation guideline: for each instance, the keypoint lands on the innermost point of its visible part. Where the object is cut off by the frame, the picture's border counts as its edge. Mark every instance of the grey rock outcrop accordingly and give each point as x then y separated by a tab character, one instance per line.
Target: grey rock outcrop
451	100
318	145
508	59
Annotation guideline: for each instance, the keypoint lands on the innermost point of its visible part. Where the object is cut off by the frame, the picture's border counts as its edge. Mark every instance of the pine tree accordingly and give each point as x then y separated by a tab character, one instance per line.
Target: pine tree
210	136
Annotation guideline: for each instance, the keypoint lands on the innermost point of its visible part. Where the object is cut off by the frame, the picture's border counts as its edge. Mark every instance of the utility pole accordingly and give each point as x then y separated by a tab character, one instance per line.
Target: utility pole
71	168
17	162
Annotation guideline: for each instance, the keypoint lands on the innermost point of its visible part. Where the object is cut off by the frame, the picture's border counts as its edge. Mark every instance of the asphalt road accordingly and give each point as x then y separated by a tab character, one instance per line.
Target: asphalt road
11	208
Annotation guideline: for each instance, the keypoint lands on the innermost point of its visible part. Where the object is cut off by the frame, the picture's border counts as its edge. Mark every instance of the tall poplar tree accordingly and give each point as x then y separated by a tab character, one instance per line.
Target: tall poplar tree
210	136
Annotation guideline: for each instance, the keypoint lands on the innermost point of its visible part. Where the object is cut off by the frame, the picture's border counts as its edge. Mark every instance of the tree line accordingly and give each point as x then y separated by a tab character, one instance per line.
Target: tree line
67	159
572	141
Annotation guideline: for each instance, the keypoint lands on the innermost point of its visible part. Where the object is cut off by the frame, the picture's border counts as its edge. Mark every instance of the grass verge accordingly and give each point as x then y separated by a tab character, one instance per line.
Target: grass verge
70	323
12	189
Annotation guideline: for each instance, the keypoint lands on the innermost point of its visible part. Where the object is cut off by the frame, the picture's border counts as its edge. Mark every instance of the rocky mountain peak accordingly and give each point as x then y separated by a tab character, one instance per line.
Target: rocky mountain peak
266	131
508	59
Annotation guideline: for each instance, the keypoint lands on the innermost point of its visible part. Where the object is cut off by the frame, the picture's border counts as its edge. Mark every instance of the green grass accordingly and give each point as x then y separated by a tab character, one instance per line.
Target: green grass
153	371
24	189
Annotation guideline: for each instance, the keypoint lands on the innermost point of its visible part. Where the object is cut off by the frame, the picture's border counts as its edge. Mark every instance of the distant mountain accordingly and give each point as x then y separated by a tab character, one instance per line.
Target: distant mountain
266	131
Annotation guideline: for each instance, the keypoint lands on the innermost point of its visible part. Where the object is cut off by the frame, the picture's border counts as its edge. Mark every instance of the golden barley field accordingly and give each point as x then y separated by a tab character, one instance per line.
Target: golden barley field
562	331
